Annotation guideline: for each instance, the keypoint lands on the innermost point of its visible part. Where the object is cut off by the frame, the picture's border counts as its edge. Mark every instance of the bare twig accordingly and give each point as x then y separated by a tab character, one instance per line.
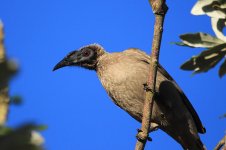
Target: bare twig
4	97
221	144
159	9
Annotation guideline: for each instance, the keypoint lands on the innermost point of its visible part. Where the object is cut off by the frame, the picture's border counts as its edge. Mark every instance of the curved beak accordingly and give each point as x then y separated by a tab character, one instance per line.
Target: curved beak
69	60
61	64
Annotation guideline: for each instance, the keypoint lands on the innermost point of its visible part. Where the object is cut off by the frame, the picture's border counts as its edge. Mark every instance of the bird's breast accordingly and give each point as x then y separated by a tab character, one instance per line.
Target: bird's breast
123	82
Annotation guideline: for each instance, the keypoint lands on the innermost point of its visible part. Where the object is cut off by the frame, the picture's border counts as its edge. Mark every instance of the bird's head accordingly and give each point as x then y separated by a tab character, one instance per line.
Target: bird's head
86	57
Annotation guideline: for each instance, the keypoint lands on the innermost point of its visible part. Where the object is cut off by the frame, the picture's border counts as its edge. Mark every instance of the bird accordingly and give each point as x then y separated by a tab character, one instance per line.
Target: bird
123	76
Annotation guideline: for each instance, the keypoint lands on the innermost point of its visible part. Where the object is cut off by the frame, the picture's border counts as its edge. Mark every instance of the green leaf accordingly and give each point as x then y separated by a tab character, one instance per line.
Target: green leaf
4	130
212	8
216	9
180	44
200	40
206	59
40	127
222	70
218	26
22	138
197	8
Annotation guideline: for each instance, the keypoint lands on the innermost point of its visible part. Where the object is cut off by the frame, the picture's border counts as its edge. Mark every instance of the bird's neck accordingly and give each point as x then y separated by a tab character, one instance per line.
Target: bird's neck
102	63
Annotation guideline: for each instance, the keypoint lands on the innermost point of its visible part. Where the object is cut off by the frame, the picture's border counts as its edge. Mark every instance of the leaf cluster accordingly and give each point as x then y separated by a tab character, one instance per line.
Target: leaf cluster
215	47
26	136
22	138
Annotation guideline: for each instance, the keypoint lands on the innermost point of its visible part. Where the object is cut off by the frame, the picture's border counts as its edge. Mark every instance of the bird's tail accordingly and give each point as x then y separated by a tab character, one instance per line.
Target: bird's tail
188	141
192	144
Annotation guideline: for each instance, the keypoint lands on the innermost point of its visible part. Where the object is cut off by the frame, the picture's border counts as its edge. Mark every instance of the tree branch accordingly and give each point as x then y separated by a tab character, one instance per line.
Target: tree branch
4	97
159	9
221	144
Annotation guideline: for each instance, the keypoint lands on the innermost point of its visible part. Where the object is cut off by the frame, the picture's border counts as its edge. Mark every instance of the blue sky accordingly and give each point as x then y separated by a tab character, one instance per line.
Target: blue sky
71	101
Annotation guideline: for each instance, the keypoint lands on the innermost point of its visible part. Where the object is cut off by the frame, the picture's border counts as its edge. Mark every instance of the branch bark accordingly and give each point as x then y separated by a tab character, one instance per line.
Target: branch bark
221	144
159	9
4	97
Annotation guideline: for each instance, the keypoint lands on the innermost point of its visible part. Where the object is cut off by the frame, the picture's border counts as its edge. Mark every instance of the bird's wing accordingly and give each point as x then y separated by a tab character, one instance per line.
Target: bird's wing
187	103
142	56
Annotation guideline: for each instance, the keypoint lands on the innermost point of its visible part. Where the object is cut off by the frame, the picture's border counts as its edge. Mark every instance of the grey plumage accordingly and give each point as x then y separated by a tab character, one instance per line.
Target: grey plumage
123	75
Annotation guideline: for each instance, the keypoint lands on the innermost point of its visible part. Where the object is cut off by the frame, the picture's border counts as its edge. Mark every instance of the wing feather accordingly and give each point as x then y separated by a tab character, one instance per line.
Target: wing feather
142	56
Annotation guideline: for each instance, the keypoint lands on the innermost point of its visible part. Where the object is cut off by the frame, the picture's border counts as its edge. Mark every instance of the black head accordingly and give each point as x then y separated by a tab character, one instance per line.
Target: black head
86	57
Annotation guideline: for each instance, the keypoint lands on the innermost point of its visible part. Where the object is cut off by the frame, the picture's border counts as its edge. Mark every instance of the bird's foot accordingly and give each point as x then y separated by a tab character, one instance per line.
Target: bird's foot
147	88
141	136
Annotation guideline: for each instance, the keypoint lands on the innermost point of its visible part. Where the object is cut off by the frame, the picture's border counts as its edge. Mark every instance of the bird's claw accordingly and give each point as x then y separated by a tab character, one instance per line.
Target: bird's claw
141	136
147	88
139	130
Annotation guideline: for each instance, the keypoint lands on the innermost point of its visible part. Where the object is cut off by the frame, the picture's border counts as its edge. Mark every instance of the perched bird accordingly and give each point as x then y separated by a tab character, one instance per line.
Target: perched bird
123	76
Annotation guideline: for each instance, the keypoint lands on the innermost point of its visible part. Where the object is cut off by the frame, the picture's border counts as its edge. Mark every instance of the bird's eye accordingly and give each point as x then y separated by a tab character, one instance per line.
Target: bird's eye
86	53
